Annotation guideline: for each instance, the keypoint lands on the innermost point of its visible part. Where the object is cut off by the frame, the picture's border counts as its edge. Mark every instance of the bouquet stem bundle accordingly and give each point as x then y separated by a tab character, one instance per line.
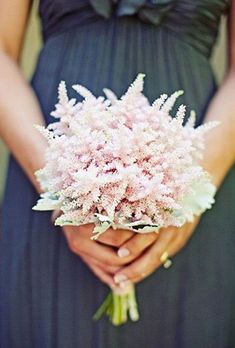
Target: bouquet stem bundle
119	307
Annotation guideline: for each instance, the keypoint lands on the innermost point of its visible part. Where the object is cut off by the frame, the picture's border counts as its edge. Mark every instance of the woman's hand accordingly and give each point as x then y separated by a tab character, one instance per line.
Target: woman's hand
102	259
170	240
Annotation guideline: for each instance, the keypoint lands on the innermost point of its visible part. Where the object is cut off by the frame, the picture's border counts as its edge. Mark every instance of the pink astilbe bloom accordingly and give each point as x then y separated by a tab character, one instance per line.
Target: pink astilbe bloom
124	162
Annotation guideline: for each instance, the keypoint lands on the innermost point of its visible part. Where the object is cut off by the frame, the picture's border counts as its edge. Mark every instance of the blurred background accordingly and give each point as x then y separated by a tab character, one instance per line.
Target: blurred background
29	57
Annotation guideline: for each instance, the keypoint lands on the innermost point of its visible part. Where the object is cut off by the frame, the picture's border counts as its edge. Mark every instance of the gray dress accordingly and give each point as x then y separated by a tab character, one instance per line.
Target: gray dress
47	294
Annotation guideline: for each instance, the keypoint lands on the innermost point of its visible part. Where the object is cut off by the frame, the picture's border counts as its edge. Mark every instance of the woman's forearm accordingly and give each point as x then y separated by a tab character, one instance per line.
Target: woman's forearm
19	111
220	142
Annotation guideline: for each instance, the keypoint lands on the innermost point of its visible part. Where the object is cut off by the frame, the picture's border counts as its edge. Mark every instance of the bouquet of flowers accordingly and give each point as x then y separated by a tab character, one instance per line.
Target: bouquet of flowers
123	163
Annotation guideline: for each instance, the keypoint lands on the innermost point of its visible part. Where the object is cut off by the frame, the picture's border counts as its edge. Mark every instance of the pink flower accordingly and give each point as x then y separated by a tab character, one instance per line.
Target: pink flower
124	159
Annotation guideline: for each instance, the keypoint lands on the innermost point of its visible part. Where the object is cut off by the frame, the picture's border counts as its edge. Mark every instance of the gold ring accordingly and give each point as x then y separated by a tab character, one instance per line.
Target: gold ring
165	260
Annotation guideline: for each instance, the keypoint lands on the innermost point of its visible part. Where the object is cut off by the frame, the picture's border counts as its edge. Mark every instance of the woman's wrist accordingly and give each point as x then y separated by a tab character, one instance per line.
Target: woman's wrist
217	164
32	157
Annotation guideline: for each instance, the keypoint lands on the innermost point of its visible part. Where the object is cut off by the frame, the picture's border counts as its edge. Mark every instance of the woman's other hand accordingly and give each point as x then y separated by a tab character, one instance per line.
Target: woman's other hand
100	256
170	241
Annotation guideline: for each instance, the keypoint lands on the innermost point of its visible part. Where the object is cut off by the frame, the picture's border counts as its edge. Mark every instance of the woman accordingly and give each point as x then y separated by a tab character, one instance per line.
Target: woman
50	288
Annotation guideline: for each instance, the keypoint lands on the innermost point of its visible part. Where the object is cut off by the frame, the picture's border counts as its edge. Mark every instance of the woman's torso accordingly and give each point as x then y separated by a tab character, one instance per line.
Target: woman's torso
106	43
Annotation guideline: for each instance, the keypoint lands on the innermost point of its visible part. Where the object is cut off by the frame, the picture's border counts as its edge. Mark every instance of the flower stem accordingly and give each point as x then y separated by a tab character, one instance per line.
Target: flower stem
105	306
118	307
132	305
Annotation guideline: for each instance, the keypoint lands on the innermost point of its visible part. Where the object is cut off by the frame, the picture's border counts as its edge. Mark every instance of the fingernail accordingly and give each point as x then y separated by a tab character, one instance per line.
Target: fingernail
124	288
123	252
124	284
118	278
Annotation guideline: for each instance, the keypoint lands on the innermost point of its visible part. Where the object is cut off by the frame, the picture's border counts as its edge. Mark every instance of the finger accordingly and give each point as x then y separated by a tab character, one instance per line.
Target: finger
115	237
102	275
136	245
79	242
104	266
146	263
180	238
102	253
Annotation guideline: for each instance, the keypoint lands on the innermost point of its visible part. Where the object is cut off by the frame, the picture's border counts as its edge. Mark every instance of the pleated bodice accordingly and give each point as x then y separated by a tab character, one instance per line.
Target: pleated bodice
194	21
107	43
